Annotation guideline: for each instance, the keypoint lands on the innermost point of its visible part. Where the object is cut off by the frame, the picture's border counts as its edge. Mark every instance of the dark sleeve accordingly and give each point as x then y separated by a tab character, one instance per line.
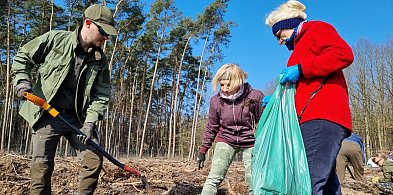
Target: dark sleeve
212	126
259	107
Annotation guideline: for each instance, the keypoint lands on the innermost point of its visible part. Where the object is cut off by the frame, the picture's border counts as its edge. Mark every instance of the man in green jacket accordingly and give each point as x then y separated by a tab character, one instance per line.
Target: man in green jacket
73	76
384	184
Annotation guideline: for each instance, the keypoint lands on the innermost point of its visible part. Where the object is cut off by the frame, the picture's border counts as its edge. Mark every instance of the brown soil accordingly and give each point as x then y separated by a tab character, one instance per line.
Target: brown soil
164	177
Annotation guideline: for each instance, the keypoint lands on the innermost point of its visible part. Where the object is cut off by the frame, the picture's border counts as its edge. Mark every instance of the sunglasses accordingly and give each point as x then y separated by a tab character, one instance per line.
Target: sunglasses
101	30
278	34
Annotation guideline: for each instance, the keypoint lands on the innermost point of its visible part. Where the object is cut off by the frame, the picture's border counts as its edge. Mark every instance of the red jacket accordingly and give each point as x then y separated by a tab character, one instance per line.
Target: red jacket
321	52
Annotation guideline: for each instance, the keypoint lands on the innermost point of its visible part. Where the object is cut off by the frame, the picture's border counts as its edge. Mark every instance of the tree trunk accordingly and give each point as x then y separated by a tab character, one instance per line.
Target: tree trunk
107	128
199	104
140	109
6	109
11	122
51	15
176	94
71	13
171	110
132	93
150	97
193	128
27	138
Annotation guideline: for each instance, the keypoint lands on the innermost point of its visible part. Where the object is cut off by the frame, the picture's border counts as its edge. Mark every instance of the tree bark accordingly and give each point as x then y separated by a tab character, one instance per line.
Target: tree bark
175	101
194	120
132	93
150	98
6	109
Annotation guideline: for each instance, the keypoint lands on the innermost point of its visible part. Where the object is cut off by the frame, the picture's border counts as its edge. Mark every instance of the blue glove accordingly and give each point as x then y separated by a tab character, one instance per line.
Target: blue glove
290	74
265	100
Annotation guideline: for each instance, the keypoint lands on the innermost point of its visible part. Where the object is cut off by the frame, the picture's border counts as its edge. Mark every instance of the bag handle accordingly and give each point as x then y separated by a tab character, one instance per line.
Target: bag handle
312	96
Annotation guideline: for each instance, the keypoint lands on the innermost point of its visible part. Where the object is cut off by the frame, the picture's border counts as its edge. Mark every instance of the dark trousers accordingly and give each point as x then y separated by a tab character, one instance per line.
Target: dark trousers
46	136
322	140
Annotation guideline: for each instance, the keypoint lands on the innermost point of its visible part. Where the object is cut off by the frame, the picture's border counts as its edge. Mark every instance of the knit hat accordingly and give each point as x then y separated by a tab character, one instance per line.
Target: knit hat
286	24
102	16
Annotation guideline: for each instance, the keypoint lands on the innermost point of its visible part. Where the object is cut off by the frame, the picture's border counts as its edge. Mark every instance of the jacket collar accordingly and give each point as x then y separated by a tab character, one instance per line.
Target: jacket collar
305	27
76	43
246	90
74	36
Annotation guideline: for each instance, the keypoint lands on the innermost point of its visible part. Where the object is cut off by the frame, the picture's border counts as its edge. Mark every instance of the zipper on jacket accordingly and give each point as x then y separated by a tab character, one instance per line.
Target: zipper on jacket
234	120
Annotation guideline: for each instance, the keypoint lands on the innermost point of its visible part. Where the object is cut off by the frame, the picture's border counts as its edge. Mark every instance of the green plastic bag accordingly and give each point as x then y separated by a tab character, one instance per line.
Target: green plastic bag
279	162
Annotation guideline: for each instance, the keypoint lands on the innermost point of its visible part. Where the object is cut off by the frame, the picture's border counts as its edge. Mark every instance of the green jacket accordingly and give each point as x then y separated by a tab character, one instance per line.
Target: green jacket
387	169
53	54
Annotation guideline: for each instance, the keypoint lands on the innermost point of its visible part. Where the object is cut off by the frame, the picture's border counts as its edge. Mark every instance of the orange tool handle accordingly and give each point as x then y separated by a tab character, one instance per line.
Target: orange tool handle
41	103
52	111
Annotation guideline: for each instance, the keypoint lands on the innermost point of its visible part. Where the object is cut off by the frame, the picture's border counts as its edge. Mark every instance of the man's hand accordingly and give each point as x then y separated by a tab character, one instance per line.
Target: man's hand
21	87
201	161
290	74
88	130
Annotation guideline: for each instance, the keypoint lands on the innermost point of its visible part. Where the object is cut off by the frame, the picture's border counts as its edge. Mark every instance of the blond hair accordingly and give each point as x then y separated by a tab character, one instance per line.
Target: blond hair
289	9
231	72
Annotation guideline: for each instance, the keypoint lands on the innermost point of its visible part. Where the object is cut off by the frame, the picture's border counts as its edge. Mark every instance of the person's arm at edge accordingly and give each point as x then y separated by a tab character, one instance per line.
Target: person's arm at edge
212	127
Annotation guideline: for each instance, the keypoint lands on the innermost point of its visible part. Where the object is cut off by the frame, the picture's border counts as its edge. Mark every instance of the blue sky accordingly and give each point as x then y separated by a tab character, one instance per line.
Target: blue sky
256	50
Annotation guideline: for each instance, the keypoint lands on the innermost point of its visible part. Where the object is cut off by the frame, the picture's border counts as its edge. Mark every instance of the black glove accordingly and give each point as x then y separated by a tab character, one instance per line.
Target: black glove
88	131
201	161
21	87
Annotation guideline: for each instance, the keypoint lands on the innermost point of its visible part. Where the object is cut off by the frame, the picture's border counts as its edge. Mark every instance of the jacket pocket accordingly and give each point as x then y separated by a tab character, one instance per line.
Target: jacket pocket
55	62
48	69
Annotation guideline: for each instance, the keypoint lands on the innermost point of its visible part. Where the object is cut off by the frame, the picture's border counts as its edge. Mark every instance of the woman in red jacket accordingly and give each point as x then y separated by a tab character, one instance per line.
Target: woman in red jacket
318	57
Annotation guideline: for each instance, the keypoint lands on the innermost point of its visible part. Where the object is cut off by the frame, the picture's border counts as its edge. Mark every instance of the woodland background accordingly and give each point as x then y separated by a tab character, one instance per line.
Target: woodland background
161	63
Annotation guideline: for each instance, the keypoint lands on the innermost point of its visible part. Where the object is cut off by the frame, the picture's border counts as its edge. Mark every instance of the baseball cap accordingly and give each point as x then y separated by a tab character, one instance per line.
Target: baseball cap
102	16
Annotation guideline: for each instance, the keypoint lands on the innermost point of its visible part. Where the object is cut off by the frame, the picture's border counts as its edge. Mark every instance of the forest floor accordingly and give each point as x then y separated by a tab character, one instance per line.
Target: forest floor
164	177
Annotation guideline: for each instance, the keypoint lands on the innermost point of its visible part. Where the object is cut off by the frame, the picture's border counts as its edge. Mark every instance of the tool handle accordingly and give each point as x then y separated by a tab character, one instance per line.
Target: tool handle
41	103
52	111
100	149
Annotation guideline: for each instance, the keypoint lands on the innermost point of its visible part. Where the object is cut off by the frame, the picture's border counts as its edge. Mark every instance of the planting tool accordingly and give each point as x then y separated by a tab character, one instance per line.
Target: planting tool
53	112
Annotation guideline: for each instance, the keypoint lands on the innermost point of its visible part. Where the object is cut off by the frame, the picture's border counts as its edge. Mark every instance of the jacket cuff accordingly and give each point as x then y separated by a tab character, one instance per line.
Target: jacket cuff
203	150
17	78
91	118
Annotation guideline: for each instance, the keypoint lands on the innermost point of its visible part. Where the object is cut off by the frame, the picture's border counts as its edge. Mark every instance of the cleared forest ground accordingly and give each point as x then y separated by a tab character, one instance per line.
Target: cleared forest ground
164	176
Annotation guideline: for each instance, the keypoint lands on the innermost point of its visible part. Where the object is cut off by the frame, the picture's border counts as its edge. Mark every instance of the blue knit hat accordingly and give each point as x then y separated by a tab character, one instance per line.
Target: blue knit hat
286	24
